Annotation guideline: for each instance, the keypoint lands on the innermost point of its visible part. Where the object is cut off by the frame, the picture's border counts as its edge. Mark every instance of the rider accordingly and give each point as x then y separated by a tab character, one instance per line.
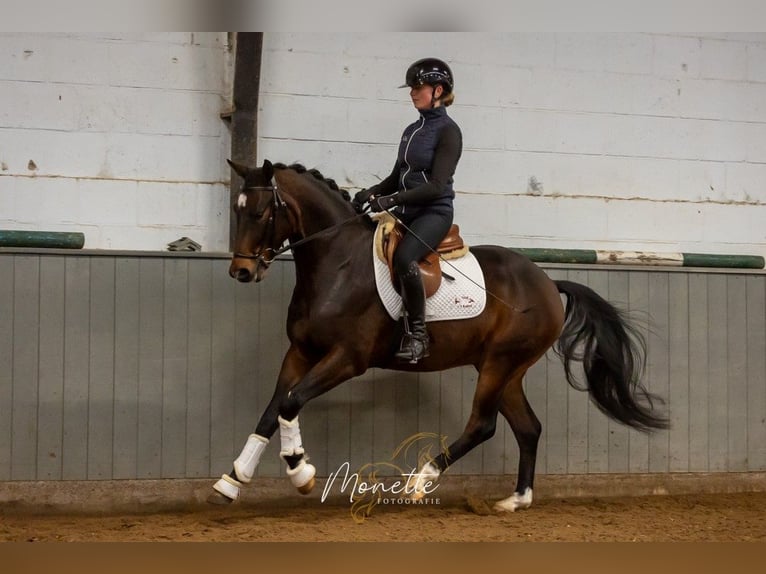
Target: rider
419	191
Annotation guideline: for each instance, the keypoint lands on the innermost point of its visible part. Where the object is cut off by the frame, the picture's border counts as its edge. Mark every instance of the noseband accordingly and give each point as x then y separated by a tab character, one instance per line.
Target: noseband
278	204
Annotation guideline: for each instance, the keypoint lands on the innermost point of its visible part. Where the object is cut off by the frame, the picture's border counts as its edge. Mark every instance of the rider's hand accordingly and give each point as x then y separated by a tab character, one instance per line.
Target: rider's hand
383	203
360	199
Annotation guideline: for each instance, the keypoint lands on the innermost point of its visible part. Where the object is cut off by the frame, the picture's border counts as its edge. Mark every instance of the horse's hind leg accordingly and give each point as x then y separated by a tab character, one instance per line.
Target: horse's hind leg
526	427
480	427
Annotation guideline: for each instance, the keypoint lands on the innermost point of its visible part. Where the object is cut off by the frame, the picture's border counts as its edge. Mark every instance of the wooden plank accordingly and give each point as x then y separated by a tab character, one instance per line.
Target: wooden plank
338	406
718	382
384	439
224	445
451	423
577	409
472	462
127	305
658	362
556	407
429	420
736	375
150	350
51	373
198	379
678	396
26	313
756	372
6	363
362	424
619	436
406	397
101	365
638	300
258	360
598	423
175	324
699	459
76	368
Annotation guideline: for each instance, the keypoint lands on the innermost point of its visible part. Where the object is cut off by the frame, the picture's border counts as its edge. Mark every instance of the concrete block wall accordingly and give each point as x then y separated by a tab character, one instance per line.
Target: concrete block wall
607	141
116	135
612	141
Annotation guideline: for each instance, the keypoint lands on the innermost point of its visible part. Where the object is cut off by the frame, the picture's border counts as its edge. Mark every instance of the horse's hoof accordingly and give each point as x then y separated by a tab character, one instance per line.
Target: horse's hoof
219	499
308	487
515	502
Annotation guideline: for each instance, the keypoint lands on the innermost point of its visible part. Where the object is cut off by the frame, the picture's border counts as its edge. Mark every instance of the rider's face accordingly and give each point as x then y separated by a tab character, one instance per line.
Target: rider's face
421	96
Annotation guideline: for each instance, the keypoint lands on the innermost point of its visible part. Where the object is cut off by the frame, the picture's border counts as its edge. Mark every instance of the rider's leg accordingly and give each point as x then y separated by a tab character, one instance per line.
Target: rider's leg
415	341
425	233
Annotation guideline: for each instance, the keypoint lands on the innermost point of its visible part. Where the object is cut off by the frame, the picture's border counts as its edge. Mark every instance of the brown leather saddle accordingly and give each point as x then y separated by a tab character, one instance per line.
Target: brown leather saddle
451	247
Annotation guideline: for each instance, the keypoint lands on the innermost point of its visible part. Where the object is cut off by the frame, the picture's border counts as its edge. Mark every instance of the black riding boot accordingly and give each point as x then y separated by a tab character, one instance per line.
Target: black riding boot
414	344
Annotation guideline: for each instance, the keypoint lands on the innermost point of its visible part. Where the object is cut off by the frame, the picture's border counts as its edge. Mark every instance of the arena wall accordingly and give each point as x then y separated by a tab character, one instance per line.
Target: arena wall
121	365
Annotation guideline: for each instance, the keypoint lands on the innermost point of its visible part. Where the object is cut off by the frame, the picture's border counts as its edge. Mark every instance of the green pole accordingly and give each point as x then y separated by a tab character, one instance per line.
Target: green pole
558	255
713	260
46	239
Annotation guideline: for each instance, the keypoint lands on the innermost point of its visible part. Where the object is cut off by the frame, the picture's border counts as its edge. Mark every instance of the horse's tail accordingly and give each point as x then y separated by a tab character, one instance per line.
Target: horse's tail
613	354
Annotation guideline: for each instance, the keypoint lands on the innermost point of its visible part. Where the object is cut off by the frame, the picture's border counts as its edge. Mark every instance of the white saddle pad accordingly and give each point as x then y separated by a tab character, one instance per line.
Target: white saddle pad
462	298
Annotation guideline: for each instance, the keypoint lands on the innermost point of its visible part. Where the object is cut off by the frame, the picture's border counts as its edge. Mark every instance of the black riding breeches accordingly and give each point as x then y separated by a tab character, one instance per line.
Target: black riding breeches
426	231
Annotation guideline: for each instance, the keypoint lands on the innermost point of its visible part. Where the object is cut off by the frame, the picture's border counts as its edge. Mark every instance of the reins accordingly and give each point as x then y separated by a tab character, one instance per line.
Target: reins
279	202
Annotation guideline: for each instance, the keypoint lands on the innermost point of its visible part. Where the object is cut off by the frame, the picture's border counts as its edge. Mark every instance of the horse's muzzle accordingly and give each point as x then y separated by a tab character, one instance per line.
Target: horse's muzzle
247	270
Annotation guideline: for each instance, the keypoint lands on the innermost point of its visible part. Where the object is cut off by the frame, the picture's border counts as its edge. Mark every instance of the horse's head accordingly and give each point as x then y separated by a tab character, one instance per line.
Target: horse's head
263	223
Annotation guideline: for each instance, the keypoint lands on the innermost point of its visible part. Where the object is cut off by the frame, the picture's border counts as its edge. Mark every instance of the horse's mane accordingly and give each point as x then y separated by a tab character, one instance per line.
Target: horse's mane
300	168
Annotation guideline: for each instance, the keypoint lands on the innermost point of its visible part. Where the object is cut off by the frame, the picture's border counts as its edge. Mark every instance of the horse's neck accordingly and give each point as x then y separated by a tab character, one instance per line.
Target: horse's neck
330	252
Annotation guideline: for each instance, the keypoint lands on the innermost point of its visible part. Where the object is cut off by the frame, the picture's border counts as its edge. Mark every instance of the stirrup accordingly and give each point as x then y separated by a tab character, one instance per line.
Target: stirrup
412	349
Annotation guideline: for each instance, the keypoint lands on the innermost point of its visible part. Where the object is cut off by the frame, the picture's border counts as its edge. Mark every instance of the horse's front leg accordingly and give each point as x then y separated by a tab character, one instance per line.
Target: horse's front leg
228	487
333	369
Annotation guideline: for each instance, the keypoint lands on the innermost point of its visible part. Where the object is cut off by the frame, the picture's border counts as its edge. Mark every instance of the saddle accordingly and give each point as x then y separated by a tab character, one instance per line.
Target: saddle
391	232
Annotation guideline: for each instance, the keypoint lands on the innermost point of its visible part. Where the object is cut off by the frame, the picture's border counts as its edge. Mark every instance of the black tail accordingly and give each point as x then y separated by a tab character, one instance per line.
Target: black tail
612	352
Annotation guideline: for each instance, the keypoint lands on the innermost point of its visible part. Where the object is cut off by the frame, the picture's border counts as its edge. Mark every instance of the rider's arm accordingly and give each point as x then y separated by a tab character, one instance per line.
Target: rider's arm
387	186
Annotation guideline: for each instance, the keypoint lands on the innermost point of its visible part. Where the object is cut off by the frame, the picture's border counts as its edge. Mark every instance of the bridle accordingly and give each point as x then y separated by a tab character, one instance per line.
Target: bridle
279	203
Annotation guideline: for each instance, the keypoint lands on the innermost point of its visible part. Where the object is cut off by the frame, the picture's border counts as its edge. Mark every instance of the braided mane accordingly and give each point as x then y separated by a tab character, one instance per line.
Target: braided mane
300	168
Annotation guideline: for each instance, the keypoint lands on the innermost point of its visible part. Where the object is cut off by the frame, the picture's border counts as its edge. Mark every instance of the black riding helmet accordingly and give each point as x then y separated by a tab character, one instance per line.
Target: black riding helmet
430	71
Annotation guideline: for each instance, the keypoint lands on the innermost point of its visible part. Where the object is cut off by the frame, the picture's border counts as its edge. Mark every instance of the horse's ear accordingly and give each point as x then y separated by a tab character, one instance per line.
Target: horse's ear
242	170
268	170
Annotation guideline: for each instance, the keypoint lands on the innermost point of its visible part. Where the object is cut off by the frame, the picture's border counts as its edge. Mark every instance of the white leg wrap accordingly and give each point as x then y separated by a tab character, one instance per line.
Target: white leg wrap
228	487
302	474
290	434
515	502
417	482
248	459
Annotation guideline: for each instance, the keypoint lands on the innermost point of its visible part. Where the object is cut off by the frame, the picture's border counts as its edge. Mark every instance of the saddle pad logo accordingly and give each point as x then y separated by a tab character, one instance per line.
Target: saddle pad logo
464	301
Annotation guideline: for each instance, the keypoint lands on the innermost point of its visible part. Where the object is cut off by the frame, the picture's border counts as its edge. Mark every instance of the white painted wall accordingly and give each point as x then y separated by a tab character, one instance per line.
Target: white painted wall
115	135
636	141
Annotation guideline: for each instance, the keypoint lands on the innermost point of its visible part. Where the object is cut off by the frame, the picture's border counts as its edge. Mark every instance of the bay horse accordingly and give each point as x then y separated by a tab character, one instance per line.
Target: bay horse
338	328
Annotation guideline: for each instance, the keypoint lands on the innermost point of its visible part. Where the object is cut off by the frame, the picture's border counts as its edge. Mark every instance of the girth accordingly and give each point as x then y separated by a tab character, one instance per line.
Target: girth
451	247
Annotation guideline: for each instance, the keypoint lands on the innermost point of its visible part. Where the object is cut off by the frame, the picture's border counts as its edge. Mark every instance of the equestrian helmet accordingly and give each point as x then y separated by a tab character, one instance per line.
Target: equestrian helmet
430	71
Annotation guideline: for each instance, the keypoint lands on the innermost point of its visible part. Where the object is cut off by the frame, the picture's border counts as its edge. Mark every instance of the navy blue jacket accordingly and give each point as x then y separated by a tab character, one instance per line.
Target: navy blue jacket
428	155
